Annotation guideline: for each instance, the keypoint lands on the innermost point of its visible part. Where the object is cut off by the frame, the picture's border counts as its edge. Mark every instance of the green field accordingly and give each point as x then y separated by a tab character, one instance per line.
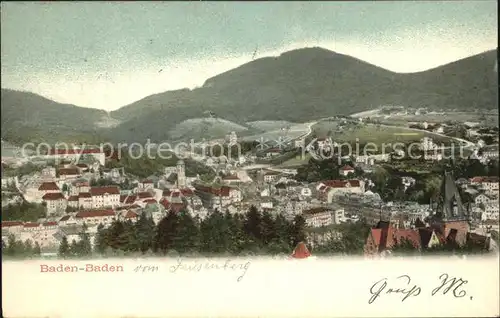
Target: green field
297	161
372	133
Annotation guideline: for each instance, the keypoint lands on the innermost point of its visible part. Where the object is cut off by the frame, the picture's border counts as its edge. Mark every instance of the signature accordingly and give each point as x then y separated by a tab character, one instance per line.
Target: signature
404	287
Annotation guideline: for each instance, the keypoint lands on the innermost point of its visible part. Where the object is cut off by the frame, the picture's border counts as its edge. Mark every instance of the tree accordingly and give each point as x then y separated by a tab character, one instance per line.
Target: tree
166	232
28	248
64	248
253	224
297	232
404	246
37	250
145	229
101	243
84	246
65	188
187	234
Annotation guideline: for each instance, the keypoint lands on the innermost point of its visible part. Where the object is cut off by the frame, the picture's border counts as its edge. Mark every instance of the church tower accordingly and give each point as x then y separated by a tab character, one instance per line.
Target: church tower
450	213
181	175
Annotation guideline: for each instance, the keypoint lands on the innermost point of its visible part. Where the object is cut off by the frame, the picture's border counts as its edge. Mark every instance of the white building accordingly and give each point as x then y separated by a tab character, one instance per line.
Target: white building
318	217
105	197
96	217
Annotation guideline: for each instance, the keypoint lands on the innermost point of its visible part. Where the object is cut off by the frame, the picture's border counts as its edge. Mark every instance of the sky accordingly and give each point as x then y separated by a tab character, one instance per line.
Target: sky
109	54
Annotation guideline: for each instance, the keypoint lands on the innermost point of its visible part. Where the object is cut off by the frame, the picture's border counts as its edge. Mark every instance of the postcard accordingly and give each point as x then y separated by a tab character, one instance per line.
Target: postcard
250	159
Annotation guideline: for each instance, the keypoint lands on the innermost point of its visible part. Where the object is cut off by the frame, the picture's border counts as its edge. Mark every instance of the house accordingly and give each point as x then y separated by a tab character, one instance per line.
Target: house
75	154
145	185
218	197
489	184
85	200
271	176
273	152
301	251
331	188
231	179
48	187
96	217
484	199
69	173
318	217
105	196
346	170
56	203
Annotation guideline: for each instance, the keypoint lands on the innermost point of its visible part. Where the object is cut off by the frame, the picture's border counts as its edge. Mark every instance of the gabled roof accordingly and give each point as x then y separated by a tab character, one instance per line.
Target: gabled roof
11	223
347	168
73	151
53	196
73	198
94	213
48	186
143	195
104	190
301	251
130	215
84	195
69	172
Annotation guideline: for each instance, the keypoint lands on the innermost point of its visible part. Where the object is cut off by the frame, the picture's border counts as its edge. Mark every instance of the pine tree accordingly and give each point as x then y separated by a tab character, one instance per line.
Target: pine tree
37	250
165	234
297	232
253	224
132	244
268	228
145	229
74	248
85	247
64	248
101	243
117	237
28	248
186	234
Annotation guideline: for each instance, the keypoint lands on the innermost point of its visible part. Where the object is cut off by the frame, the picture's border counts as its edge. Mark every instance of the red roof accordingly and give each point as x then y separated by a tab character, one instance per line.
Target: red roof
130	199
176	194
11	223
31	224
301	251
187	192
315	210
123	197
84	195
377	236
411	235
97	191
69	172
484	179
147	181
165	203
73	198
143	195
130	215
166	192
48	186
73	151
95	213
148	201
53	196
50	224
347	168
82	165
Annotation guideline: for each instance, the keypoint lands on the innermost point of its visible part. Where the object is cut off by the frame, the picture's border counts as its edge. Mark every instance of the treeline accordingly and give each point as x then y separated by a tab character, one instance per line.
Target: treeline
24	211
220	233
18	249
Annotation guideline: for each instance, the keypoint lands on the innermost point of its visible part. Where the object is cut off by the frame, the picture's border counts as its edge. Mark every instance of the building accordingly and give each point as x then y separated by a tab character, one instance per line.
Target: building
56	203
75	154
181	174
96	217
318	217
218	197
105	196
48	187
270	176
488	184
346	170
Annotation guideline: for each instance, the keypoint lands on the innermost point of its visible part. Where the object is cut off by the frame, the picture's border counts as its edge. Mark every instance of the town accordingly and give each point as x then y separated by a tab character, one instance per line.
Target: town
84	201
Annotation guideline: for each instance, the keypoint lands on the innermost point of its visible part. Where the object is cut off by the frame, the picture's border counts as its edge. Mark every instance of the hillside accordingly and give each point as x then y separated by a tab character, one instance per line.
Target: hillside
30	117
296	86
310	83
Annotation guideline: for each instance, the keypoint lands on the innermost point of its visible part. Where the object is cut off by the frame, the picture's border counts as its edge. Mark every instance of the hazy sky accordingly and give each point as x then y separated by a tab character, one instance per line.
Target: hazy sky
106	55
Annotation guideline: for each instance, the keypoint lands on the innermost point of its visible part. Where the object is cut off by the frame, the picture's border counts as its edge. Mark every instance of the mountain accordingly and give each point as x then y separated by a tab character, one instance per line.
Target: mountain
27	117
297	86
310	83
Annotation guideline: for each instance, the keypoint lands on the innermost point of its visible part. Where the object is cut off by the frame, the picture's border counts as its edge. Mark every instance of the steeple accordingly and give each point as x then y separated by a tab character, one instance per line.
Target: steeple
449	203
